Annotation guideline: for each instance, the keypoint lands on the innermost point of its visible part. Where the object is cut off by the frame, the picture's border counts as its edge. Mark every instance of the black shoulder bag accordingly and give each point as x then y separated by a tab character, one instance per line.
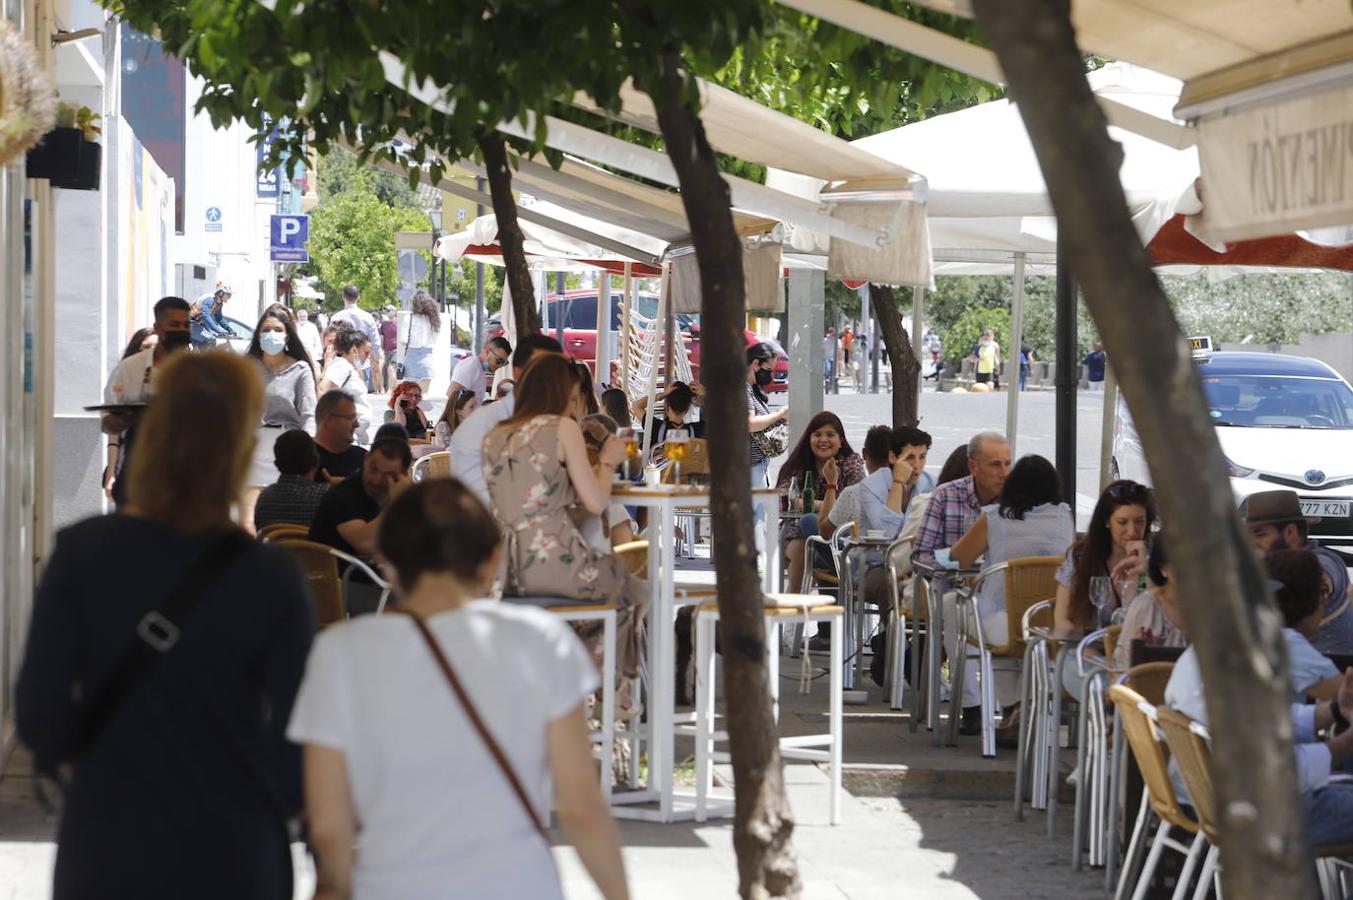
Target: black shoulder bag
156	634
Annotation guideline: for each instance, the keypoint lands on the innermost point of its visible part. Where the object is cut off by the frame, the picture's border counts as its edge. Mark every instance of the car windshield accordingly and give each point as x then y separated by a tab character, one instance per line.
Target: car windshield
1258	401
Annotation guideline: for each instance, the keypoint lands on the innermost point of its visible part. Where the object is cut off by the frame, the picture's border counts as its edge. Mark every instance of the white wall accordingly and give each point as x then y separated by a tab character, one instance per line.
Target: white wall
1335	349
220	172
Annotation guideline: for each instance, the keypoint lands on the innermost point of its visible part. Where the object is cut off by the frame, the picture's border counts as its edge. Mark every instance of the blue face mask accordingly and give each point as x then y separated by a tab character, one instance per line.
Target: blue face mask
272	342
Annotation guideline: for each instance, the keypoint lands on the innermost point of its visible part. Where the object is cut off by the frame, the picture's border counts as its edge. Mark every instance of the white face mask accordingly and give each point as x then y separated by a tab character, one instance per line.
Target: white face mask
272	342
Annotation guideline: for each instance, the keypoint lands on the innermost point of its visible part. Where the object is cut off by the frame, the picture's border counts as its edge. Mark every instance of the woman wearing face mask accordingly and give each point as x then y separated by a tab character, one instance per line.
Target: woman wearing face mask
760	373
288	390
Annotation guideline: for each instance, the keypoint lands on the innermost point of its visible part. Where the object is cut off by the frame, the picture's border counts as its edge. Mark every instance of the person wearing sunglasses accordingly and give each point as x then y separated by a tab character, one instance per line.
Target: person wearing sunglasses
473	372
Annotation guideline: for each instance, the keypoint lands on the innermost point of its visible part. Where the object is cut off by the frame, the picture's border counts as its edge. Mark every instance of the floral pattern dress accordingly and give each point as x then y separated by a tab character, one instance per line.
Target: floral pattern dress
531	493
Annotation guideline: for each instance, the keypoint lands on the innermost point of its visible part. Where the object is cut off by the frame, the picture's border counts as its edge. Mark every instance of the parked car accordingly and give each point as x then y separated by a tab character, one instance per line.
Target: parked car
1282	421
240	334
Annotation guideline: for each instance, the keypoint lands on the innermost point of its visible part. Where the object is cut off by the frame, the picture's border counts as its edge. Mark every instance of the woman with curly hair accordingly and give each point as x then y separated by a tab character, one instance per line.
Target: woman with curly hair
824	458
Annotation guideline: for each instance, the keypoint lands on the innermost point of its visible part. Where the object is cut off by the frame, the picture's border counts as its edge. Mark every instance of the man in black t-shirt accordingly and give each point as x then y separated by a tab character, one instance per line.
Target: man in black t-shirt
335	427
348	517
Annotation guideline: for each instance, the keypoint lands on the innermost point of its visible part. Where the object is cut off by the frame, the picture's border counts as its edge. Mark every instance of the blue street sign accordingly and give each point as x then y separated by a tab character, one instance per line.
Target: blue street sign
213	217
267	178
288	237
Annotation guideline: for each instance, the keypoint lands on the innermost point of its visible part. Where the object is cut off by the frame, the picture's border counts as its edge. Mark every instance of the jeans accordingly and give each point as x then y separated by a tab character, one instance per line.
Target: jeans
759	475
1329	814
1023	376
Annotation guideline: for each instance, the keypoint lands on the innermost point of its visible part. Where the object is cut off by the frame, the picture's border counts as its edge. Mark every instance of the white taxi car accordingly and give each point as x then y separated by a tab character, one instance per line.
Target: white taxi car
1283	422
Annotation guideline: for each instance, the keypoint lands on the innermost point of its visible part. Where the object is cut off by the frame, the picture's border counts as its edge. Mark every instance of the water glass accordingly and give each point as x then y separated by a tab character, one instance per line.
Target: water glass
1101	597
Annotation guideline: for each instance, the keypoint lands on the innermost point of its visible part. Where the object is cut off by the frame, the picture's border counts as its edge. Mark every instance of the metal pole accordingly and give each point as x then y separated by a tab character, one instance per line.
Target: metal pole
602	359
479	285
862	346
624	347
917	345
1012	360
1065	381
559	310
1106	427
874	351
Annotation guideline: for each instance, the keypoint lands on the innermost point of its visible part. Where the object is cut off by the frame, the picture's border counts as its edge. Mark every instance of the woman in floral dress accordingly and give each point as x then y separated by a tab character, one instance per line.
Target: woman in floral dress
536	467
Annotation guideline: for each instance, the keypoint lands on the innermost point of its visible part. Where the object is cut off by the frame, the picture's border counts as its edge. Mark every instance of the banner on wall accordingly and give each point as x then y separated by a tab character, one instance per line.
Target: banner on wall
146	201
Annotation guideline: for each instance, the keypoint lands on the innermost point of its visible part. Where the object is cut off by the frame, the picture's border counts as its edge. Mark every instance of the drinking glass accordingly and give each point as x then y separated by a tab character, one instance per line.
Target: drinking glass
677	441
630	436
1101	597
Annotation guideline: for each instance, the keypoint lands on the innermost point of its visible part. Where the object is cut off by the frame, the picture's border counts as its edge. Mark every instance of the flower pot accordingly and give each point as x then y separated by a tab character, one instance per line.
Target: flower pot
57	155
86	174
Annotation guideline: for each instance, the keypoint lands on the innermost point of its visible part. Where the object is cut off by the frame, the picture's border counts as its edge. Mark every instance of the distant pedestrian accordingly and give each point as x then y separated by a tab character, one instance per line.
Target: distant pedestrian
425	324
847	340
1094	367
829	356
388	326
355	317
309	335
206	315
987	356
474	372
1026	361
168	694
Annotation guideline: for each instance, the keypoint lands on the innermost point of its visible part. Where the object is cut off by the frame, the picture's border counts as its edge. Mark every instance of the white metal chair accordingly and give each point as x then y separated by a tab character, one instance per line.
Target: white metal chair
433	465
897	563
1035	684
1092	753
779	609
328	586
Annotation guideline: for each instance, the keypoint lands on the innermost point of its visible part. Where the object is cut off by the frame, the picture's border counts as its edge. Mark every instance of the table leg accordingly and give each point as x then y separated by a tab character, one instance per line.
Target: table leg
664	676
770	578
1055	739
934	646
958	665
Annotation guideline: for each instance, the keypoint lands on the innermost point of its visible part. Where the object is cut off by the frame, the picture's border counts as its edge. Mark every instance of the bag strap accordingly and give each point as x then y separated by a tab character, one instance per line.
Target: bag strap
157	633
473	714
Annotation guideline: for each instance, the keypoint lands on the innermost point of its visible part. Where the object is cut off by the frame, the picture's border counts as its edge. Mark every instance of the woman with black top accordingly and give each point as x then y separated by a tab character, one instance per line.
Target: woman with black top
404	402
181	782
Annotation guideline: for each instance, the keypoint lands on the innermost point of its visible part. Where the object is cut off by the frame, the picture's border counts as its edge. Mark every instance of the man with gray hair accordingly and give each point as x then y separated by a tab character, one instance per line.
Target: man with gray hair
954	508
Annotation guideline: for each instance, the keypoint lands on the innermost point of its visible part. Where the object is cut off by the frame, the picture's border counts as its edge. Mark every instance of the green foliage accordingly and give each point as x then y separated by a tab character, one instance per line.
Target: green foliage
460	288
340	171
957	295
1265	309
352	241
963	334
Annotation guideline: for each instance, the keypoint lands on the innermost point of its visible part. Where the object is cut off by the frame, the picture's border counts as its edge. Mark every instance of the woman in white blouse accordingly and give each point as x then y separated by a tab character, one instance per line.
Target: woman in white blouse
404	798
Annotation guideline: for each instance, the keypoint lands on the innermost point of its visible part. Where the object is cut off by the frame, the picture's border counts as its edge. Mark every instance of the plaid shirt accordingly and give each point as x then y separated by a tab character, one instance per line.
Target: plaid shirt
292	499
953	510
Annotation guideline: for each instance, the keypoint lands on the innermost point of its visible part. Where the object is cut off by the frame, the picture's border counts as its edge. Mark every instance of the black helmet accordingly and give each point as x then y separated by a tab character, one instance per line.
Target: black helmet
760	350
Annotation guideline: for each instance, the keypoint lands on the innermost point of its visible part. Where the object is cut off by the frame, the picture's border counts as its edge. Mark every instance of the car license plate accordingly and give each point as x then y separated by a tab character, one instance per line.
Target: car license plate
1325	509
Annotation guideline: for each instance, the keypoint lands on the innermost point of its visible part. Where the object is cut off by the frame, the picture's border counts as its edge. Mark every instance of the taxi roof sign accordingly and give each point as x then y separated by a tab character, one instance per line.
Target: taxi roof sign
1200	347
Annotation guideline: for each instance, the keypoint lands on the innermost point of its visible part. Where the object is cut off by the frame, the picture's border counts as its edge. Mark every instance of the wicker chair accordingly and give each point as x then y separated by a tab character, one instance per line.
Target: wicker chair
279	530
320	563
434	465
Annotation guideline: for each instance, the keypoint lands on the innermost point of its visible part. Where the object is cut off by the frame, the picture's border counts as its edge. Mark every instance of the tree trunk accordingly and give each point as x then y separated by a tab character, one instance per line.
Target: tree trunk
1235	628
906	367
510	238
763	823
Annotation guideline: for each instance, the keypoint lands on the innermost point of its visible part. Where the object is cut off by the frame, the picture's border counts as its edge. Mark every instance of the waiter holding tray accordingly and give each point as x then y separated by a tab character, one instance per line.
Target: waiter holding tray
132	383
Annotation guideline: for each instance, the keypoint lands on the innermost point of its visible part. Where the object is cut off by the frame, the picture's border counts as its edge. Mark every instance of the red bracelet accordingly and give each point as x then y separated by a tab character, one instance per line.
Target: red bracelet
831	487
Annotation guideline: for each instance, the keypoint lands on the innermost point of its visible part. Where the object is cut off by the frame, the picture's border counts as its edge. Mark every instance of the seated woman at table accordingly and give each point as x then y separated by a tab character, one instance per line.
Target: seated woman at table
458	409
1114	548
824	458
1298	582
403	798
1153	617
536	467
1029	519
404	402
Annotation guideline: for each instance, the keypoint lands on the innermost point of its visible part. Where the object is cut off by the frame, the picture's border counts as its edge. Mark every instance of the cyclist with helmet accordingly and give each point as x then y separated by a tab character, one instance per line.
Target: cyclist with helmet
206	320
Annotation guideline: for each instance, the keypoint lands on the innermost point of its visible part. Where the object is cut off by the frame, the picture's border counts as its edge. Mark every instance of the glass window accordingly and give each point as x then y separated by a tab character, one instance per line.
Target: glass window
1269	402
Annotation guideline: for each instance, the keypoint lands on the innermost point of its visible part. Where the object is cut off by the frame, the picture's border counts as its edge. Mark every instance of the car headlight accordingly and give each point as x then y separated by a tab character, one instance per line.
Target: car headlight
1236	471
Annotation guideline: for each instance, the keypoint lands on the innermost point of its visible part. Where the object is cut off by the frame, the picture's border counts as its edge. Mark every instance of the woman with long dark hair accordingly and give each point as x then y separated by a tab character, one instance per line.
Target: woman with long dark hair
288	389
182	778
824	458
425	324
458	408
1115	541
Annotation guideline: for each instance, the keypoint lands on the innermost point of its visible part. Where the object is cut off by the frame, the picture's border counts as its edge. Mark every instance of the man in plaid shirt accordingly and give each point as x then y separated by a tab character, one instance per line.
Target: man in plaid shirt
954	508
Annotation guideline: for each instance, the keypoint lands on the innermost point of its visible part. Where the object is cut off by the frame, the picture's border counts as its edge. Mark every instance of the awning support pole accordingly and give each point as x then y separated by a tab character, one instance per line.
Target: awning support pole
1065	381
1106	428
1012	356
602	360
917	345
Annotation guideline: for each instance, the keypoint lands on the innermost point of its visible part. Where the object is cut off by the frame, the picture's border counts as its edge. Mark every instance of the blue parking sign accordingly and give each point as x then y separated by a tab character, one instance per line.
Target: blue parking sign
288	237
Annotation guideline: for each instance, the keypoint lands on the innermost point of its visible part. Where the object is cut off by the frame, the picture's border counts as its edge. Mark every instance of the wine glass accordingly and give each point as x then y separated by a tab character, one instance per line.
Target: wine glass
1101	597
677	442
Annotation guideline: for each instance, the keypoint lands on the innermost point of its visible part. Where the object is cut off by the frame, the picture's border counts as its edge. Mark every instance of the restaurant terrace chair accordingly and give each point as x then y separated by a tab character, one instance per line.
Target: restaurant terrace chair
1034	684
695	463
897	563
320	564
433	465
779	609
1190	745
1159	801
283	529
1028	580
1092	747
635	555
817	579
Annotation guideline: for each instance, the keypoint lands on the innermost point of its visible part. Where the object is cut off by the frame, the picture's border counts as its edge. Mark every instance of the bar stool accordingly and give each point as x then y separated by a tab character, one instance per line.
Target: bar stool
604	738
780	609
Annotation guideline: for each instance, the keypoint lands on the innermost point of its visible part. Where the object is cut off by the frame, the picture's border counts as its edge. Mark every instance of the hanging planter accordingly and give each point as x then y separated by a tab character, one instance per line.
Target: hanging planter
27	104
69	157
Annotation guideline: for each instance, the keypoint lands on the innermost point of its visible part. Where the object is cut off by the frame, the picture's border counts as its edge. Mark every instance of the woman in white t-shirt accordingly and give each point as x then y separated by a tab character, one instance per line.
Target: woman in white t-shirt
425	323
344	373
403	796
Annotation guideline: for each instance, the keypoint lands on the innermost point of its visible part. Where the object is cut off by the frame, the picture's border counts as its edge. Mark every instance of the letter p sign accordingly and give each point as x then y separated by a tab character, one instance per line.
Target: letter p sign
288	238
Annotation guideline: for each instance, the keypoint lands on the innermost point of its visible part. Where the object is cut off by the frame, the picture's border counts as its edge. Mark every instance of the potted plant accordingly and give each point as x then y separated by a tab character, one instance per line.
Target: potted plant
69	155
